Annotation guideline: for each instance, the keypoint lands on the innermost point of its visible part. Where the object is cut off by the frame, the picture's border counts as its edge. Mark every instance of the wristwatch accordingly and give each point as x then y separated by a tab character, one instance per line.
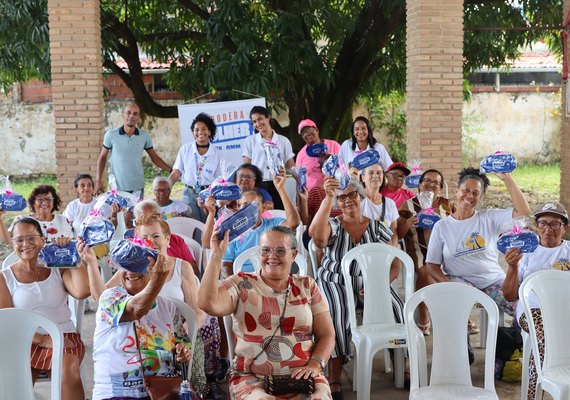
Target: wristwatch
320	361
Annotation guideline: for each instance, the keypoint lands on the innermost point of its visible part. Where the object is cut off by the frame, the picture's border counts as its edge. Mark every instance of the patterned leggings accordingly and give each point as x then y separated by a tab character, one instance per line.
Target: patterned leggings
494	291
532	374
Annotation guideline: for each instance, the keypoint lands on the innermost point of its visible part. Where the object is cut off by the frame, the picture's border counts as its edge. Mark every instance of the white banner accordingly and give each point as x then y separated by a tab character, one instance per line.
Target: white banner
232	124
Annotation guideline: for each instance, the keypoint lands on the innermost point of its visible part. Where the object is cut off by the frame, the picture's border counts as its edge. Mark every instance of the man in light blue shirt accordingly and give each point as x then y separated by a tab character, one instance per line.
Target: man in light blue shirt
126	145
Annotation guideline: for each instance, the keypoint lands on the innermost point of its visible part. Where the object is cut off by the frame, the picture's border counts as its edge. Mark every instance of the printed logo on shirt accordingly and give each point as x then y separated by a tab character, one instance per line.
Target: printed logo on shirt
562	264
473	244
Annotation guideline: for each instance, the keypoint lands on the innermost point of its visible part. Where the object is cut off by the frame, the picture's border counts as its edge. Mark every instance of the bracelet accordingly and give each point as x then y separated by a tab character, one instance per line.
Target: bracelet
320	360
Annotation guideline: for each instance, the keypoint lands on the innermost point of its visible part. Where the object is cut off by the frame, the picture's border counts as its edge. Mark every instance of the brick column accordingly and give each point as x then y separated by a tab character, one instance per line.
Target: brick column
565	138
77	87
434	83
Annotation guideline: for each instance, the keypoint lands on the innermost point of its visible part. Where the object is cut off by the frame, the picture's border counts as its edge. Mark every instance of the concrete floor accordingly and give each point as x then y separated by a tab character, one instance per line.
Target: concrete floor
382	383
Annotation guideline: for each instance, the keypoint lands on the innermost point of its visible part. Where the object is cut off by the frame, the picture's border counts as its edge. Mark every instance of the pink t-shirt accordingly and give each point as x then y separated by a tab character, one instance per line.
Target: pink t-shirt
314	175
399	196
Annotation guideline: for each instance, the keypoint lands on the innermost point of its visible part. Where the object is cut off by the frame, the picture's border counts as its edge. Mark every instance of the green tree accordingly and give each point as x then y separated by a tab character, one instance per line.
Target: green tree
313	56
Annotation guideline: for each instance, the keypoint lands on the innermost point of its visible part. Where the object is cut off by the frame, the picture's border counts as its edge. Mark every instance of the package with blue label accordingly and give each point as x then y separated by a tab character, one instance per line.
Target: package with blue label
427	217
317	150
334	167
239	222
274	161
123	199
133	255
520	237
55	256
223	188
203	195
96	229
300	175
10	200
413	180
499	162
365	159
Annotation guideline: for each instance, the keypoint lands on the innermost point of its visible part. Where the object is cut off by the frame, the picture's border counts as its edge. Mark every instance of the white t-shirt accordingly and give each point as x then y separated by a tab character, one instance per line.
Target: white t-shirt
76	211
253	149
347	154
543	258
176	208
115	354
197	169
468	248
374	211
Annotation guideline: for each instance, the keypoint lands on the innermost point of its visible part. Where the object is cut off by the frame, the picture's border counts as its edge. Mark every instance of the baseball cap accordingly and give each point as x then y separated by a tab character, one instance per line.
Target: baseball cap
305	123
552	208
401	166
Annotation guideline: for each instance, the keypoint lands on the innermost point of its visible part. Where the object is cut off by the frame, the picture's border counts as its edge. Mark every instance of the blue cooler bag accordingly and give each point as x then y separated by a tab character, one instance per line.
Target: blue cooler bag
239	222
317	150
55	256
501	162
131	257
365	159
427	221
527	241
12	201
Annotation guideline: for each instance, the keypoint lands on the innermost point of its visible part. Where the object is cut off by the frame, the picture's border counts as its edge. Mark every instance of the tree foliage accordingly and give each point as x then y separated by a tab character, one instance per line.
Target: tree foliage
316	57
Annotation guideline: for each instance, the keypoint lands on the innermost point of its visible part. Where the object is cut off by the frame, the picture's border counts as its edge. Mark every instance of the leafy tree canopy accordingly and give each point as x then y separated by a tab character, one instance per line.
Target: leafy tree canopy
314	56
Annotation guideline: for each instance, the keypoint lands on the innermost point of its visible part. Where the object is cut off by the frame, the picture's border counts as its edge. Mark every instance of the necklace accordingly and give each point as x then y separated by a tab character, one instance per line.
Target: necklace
202	146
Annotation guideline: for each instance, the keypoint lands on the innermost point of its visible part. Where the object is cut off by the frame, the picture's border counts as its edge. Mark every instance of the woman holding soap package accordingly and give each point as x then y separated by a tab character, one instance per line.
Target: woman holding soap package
465	243
362	139
29	284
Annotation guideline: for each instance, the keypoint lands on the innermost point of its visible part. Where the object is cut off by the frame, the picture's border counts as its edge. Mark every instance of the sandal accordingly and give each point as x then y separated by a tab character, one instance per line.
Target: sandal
337	394
472	327
425	328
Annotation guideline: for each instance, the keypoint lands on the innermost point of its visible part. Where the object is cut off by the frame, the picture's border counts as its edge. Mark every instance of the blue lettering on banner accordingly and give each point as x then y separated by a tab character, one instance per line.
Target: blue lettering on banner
232	131
233	146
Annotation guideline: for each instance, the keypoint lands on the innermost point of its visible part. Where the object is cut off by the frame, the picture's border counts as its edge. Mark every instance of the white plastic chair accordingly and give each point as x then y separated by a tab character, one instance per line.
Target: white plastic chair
483	325
551	288
252	255
18	328
195	248
449	306
298	232
378	330
527	347
189	227
190	317
313	257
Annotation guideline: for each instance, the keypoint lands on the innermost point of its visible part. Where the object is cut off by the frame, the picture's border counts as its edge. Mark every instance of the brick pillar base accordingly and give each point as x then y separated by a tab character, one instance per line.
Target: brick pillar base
565	139
77	87
435	83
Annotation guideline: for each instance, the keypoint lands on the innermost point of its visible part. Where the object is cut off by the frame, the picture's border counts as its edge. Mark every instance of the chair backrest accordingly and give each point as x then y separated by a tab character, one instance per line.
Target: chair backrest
77	307
298	232
190	317
187	226
374	260
252	255
551	288
449	306
277	214
313	257
195	248
18	328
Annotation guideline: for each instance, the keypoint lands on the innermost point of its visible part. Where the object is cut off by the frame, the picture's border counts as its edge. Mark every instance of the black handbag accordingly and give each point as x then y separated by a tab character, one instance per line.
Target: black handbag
284	384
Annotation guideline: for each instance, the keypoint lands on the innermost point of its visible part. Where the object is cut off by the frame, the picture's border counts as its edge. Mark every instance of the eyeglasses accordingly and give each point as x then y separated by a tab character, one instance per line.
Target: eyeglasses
30	239
396	176
554	225
44	199
245	176
265	251
431	182
352	195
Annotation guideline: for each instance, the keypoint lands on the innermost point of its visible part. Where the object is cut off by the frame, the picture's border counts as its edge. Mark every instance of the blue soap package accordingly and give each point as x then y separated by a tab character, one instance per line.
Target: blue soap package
334	167
226	192
96	230
239	222
131	257
413	181
499	162
55	256
12	201
427	221
274	161
317	150
300	175
115	197
527	241
203	195
365	159
129	233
